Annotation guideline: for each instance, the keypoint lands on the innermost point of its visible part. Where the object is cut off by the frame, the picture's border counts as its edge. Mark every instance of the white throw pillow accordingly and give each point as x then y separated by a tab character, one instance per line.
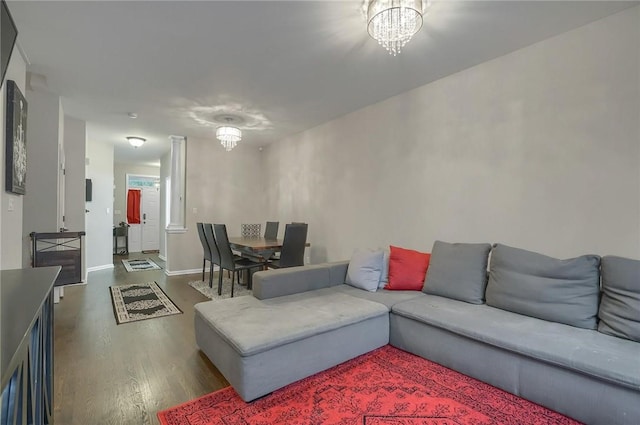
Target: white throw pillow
365	269
384	276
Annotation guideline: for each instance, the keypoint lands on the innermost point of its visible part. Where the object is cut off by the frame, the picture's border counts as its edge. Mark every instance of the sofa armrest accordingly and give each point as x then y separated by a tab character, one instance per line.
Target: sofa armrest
293	280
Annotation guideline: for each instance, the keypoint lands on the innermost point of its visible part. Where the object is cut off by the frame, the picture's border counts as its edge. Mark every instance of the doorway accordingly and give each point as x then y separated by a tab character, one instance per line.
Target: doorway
144	230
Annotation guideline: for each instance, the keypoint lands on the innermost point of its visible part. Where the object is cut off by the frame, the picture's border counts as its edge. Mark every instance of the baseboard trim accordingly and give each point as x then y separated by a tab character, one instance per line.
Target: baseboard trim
189	271
181	272
162	257
102	267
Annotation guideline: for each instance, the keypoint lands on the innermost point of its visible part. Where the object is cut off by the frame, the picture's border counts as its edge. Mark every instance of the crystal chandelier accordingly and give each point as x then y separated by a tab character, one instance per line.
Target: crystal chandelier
394	22
228	136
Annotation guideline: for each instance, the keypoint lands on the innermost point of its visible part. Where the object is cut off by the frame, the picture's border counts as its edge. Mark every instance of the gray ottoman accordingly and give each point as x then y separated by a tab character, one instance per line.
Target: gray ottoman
263	345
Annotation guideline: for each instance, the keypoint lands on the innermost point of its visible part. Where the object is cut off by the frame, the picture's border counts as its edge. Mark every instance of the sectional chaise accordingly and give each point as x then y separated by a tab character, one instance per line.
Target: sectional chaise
552	331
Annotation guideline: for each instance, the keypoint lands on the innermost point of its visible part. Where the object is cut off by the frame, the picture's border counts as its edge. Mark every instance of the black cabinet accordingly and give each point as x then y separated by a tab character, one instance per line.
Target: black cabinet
59	249
26	342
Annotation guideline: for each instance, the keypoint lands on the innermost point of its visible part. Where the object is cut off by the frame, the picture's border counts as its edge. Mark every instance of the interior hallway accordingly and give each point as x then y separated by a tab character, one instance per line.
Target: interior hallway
123	374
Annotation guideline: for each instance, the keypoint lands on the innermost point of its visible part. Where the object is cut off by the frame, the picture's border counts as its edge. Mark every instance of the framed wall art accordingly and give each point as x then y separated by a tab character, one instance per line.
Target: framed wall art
16	140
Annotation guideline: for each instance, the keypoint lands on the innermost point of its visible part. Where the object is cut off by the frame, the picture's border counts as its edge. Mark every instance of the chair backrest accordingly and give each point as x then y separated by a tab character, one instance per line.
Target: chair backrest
203	241
271	231
211	240
295	239
222	241
250	230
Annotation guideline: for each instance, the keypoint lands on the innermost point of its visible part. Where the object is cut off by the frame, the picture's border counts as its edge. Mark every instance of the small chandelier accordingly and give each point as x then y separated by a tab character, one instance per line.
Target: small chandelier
136	142
394	22
228	136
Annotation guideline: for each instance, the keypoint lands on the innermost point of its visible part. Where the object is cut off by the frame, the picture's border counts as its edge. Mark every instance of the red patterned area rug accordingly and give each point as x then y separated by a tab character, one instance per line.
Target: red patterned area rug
385	387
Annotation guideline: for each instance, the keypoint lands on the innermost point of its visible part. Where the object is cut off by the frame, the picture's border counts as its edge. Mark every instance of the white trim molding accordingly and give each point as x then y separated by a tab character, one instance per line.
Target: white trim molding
181	272
190	271
172	230
162	257
102	267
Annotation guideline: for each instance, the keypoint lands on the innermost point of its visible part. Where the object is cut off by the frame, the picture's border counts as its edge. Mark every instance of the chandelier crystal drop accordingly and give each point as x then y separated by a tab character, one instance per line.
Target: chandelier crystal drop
394	22
228	136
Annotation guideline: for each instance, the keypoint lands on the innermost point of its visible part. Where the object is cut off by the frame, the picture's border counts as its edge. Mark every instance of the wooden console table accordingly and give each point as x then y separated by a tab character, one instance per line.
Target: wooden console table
26	345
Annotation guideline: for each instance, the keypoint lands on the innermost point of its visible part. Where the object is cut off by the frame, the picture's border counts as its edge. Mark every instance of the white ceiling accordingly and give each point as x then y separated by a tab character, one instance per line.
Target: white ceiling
286	66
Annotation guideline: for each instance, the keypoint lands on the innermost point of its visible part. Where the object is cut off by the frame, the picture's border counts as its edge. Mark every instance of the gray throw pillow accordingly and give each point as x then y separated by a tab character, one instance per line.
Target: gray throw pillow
458	271
563	291
620	306
364	269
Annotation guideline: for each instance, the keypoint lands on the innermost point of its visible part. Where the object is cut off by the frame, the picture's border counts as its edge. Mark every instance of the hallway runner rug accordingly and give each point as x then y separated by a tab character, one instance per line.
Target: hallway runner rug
140	301
385	387
140	265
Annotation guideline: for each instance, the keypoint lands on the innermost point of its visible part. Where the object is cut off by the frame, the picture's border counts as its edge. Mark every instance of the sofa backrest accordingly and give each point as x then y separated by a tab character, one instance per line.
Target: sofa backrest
563	291
293	280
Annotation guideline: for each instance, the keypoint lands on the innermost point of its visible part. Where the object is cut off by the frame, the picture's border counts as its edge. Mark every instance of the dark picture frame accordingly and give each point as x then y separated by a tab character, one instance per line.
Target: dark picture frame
8	35
16	140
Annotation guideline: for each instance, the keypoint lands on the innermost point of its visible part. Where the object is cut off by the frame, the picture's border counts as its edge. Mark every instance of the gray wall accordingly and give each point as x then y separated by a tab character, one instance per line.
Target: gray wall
538	149
44	128
75	140
11	221
120	172
222	187
99	219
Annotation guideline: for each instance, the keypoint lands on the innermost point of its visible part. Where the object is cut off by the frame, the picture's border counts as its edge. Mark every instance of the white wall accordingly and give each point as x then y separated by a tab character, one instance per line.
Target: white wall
222	187
99	219
11	221
537	149
120	172
45	124
75	141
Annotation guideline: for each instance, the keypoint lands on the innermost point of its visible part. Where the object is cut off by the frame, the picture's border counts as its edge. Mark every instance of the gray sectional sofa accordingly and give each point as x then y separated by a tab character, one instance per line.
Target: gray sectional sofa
529	327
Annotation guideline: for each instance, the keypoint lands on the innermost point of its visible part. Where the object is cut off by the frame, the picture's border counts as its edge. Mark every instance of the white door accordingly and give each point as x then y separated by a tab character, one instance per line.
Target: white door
150	205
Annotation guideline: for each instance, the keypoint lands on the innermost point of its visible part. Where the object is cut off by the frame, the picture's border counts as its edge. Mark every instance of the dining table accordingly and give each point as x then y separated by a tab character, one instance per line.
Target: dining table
258	248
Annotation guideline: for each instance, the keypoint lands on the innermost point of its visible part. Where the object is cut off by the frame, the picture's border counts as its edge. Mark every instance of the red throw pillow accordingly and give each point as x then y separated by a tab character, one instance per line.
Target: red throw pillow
407	269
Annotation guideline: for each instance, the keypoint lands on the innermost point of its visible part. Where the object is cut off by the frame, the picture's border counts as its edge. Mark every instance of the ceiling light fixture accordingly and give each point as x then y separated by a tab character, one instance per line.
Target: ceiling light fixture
229	136
394	22
136	142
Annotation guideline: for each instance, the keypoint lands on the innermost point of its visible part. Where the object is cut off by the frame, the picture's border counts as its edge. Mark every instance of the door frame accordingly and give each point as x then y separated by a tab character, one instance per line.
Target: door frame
126	191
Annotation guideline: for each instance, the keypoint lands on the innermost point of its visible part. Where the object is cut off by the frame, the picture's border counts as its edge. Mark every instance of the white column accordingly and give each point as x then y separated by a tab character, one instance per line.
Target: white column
178	162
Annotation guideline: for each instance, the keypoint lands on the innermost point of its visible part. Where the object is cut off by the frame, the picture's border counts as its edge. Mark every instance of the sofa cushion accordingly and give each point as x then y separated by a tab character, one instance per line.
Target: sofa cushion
619	311
365	269
382	296
563	291
253	326
407	269
592	353
458	271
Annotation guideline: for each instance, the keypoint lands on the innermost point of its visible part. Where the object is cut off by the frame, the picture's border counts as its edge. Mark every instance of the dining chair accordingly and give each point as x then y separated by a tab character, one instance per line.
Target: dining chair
293	245
206	250
271	231
215	253
250	230
227	259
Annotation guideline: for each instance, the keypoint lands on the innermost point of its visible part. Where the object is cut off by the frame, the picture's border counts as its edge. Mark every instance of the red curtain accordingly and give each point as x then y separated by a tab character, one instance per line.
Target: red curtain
133	206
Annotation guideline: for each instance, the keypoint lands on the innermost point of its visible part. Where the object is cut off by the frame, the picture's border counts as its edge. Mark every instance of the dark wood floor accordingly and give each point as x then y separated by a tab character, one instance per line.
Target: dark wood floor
123	374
